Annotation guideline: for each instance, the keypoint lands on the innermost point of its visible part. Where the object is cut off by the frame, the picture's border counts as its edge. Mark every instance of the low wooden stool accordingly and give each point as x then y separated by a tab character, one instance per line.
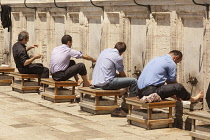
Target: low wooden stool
150	120
25	84
57	94
200	132
97	105
5	79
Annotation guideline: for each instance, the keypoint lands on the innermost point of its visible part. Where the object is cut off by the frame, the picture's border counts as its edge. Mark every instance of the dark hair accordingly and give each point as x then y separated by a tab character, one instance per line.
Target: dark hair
176	53
120	46
23	35
66	38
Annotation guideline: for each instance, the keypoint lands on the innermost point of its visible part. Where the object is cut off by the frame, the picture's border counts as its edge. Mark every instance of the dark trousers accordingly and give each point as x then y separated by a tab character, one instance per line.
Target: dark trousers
72	70
166	91
35	68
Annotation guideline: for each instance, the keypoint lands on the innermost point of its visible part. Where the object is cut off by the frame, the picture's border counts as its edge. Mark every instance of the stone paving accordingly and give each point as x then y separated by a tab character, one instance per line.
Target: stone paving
28	117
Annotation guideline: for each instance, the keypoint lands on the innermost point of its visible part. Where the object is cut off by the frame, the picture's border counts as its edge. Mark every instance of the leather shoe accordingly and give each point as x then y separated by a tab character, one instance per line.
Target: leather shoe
118	112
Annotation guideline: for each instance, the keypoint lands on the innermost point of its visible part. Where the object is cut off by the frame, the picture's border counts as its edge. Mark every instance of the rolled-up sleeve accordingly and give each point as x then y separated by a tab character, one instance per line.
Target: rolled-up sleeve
172	73
75	54
23	56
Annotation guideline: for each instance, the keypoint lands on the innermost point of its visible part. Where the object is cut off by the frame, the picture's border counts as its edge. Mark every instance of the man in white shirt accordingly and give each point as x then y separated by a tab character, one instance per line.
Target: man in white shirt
62	68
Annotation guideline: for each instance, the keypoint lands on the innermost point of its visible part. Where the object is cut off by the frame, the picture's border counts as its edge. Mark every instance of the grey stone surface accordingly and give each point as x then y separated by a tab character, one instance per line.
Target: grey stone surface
27	116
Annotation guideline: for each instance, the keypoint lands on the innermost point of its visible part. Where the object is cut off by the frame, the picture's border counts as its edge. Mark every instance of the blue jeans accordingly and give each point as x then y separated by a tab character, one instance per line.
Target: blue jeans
123	82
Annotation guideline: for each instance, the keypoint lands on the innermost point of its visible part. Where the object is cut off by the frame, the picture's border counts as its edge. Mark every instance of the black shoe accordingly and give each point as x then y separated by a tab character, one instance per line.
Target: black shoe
118	112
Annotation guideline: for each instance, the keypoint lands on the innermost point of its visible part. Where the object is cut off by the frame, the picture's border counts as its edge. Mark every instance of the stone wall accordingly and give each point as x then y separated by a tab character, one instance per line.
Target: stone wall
173	24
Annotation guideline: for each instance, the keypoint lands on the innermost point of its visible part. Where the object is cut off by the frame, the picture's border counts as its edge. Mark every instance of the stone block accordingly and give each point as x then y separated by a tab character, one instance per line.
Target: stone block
61	91
156	114
26	83
203	128
152	126
102	102
98	112
4	77
7	78
196	106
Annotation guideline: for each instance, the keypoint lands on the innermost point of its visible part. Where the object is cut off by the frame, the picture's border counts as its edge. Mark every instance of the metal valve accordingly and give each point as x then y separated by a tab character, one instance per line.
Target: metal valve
192	80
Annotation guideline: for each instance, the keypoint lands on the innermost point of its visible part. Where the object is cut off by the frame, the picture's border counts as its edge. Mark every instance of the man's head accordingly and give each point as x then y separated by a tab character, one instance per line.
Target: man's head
176	56
67	39
121	47
23	37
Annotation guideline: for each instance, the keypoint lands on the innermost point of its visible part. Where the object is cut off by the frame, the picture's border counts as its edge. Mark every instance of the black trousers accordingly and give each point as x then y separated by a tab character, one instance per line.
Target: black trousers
166	91
72	70
35	68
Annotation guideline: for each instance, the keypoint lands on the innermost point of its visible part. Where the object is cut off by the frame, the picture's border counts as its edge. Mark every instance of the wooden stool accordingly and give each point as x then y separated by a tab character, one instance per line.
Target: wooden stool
148	121
200	132
25	85
57	94
4	78
96	105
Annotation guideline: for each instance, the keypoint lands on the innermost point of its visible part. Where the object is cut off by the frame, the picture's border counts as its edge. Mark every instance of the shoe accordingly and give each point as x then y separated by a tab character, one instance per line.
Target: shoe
118	112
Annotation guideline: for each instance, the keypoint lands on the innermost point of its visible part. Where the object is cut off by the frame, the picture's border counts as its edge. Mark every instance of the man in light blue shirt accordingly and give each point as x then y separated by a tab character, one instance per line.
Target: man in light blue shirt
104	74
62	68
159	76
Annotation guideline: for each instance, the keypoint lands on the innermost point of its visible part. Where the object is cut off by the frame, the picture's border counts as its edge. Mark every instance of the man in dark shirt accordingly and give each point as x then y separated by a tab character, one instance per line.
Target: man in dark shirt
23	61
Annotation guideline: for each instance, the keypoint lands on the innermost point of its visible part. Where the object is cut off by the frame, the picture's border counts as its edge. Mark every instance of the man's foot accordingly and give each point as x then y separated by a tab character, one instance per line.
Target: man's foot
198	97
79	83
86	84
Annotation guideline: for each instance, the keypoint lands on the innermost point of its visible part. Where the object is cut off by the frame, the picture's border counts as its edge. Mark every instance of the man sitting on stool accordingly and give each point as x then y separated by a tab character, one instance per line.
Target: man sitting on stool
62	68
159	71
105	77
23	61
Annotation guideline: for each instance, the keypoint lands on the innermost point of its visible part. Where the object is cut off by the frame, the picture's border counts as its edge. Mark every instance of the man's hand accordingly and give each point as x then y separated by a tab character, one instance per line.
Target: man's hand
35	45
38	56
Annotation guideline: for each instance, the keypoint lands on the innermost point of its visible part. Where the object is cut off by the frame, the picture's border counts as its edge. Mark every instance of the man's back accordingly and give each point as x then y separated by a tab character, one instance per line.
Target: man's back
157	71
107	63
19	54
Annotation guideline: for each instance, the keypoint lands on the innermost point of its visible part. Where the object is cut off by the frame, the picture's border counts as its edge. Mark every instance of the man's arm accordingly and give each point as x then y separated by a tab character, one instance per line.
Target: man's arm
29	61
169	82
86	57
28	48
121	74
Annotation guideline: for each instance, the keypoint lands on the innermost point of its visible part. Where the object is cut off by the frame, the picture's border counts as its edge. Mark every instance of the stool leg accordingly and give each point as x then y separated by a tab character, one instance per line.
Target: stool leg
149	113
22	84
170	116
96	100
193	128
129	112
115	99
81	96
39	80
73	93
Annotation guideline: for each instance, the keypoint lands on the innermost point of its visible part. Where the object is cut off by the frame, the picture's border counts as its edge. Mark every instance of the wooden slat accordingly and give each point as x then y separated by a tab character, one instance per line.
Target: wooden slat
93	107
57	97
143	121
50	81
7	69
87	89
25	87
6	81
18	75
161	104
200	135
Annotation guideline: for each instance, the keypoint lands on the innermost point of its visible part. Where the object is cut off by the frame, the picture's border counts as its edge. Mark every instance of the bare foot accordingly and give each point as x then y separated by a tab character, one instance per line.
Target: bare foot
196	98
79	83
86	84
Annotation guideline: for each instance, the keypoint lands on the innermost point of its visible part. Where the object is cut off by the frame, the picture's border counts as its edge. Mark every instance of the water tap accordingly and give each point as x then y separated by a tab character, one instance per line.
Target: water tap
136	73
192	80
